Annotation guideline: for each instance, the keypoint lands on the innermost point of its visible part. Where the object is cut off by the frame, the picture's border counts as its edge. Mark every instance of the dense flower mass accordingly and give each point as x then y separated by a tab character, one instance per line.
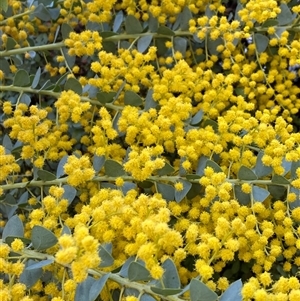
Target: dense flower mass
149	143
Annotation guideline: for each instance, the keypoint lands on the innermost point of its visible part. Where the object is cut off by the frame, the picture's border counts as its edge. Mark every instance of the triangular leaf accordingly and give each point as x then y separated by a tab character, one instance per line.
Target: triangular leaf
242	197
41	13
276	179
213	165
113	168
83	289
138	272
166	170
13	227
45	175
294	167
260	194
261	42
36	79
233	292
97	287
285	17
186	16
179	195
260	169
165	291
60	168
106	258
30	277
106	97
42	238
132	99
21	78
98	162
118	21
167	191
246	174
74	85
180	45
170	276
197	117
149	102
40	264
143	43
124	270
69	193
200	292
133	25
166	31
3	5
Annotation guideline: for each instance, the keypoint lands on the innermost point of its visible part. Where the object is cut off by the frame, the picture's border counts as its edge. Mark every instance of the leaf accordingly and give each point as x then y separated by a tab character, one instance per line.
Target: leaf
69	193
11	43
21	78
201	165
259	194
296	203
285	17
97	287
132	99
260	169
138	272
60	168
40	264
30	277
170	276
168	169
167	191
54	13
45	175
211	123
13	227
153	23
166	31
261	42
147	297
165	291
213	44
186	16
118	21
36	79
214	166
179	195
197	118
74	85
180	45
83	289
124	270
143	43
25	98
270	23
42	238
286	165
277	192
113	169
106	97
42	13
200	292
276	179
98	162
246	174
149	102
127	186
242	197
106	259
6	142
132	25
294	167
233	292
10	239
4	5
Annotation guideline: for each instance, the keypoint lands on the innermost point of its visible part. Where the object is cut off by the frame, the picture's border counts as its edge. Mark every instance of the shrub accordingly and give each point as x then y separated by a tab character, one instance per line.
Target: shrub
150	151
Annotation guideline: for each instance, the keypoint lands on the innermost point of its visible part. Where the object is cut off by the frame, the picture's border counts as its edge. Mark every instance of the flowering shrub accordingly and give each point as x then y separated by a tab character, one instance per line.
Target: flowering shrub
150	150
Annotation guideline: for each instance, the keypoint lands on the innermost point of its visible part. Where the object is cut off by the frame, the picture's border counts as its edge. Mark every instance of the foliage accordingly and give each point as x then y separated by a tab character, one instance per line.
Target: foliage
149	150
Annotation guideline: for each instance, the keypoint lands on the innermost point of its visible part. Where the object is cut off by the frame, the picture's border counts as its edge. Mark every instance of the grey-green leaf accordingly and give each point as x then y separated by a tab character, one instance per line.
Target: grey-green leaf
179	195
213	44
166	31
60	167
233	292
3	5
132	99
83	289
98	162
261	42
97	287
170	276
186	16
242	197
36	79
168	169
138	272
143	43
25	98
276	179
246	174
294	167
21	78
30	277
45	175
42	13
200	292
65	30
180	45
74	85
260	169
106	97
42	238
270	23
14	227
39	264
113	168
259	194
118	21
133	25
167	191
285	17
213	165
106	258
197	118
165	291
69	193
149	102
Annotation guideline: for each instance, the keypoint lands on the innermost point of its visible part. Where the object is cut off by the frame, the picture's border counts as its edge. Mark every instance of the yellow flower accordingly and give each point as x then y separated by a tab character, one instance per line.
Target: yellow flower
17	245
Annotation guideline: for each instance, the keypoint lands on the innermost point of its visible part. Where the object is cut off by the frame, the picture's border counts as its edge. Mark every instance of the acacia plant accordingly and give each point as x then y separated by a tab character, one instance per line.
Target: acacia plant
150	150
